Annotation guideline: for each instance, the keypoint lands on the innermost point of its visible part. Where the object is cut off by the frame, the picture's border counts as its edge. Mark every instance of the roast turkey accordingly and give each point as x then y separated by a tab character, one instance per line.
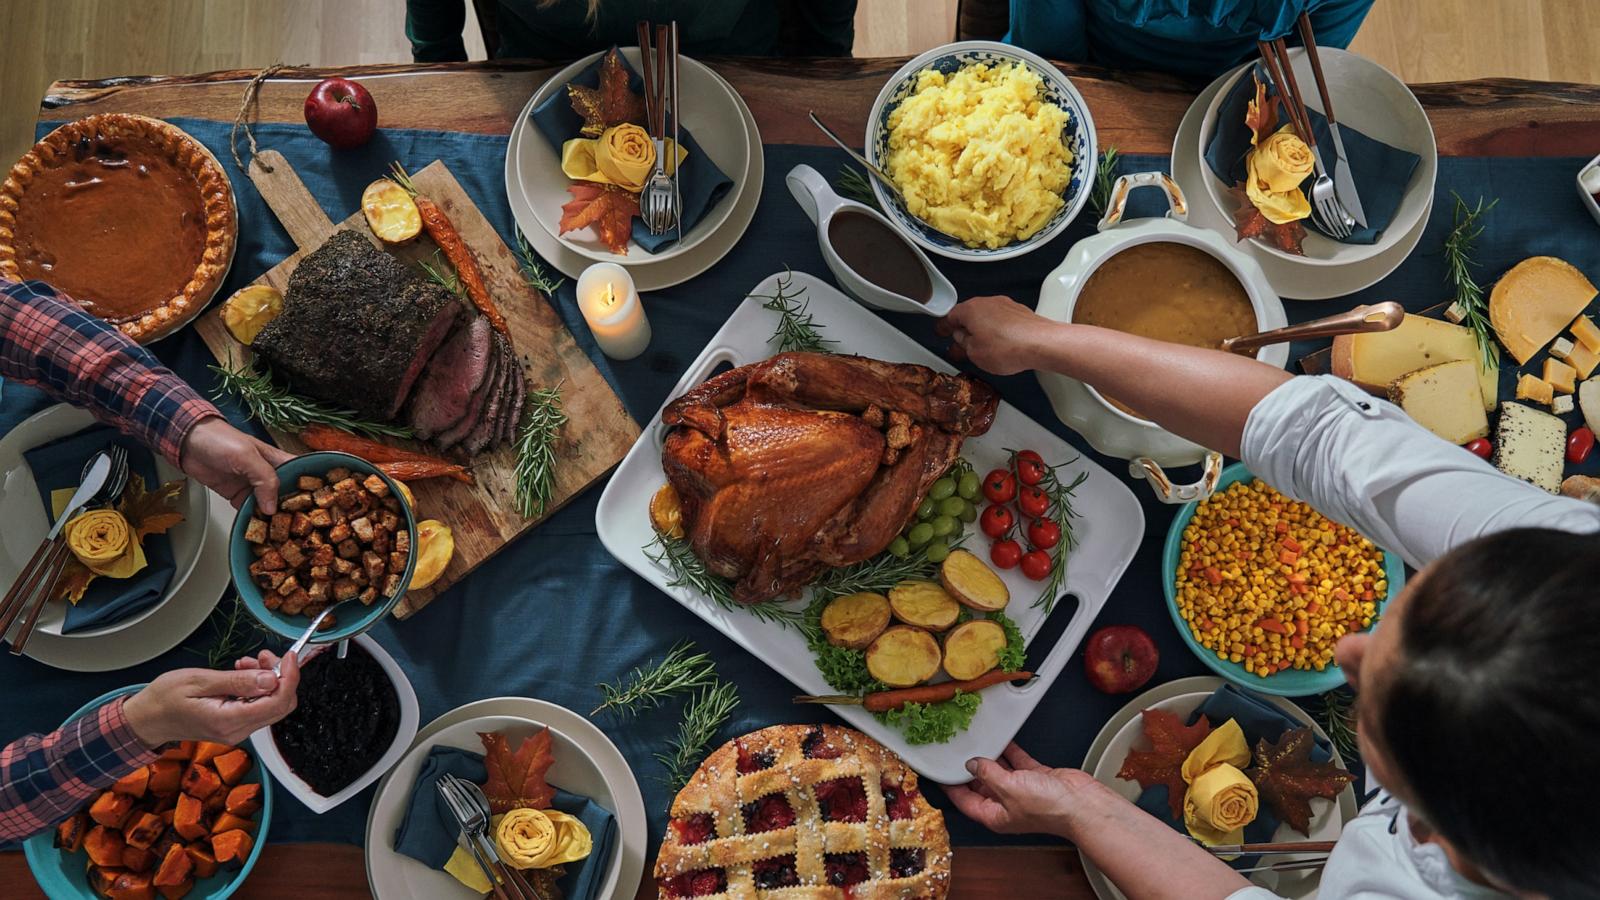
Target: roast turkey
809	460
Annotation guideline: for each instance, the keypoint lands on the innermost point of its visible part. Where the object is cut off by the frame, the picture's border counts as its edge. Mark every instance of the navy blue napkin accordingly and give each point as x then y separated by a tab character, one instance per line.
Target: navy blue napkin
1259	720
427	832
1381	172
107	601
701	183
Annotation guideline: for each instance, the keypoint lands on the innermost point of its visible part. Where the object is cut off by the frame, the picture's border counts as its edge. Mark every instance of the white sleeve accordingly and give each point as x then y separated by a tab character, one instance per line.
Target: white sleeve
1362	461
1253	892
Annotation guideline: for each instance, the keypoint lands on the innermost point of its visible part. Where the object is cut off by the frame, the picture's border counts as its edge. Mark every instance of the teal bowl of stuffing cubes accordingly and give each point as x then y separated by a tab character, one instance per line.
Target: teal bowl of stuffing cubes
1288	682
352	618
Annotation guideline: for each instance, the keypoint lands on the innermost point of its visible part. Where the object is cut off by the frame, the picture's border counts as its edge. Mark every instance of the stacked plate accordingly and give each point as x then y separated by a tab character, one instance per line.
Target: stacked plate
536	188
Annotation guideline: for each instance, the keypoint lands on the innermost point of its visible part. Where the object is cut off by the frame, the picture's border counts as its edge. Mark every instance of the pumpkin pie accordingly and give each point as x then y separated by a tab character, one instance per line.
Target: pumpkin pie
128	215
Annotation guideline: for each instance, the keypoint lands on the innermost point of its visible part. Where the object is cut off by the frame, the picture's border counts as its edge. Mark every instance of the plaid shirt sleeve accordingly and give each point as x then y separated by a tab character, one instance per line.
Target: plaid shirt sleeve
48	342
46	778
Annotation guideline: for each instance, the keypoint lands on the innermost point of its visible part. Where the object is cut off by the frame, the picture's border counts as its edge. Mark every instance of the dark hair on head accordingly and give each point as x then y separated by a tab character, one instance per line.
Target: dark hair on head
1492	713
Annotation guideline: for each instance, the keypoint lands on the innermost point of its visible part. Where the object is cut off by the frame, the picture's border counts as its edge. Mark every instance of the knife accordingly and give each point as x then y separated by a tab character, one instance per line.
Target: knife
93	481
1344	183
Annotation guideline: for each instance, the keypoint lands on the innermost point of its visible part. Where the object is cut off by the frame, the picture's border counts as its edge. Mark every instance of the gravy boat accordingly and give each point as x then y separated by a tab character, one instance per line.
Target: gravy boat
821	204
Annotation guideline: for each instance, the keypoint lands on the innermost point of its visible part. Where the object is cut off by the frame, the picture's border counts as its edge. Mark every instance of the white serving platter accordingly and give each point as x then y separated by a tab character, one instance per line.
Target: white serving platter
1109	528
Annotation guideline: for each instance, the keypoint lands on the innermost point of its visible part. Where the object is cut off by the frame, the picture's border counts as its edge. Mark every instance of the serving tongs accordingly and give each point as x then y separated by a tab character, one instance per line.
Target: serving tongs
1385	316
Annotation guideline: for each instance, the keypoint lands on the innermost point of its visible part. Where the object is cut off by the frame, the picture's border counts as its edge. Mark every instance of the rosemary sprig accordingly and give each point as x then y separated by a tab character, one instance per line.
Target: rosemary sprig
1105	176
702	719
1469	305
1338	718
533	268
440	273
689	571
876	575
1060	511
853	185
236	633
277	408
796	328
536	450
679	671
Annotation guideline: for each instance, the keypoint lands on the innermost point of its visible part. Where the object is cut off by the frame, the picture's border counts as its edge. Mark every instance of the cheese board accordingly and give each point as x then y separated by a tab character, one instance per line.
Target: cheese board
482	515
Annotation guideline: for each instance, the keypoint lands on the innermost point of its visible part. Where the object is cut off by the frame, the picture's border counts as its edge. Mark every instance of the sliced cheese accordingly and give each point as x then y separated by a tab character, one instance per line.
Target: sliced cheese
1376	361
1561	349
1445	399
1561	376
1584	329
1530	445
1534	301
1532	387
1584	360
1589	404
1563	405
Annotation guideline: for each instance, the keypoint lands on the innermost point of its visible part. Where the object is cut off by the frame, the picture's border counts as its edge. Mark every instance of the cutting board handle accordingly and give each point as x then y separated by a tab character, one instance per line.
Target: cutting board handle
286	194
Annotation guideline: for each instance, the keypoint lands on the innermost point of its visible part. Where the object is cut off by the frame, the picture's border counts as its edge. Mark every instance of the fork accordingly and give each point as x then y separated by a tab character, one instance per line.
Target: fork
464	838
657	201
1344	183
90	481
1331	216
478	810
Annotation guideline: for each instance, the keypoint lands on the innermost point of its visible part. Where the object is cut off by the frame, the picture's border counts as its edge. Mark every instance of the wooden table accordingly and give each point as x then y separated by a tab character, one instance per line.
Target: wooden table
1136	113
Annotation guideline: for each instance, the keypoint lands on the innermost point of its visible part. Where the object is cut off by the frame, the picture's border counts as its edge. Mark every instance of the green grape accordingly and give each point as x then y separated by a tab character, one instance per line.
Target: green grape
968	486
942	488
926	509
937	551
944	526
969	513
952	506
920	534
900	547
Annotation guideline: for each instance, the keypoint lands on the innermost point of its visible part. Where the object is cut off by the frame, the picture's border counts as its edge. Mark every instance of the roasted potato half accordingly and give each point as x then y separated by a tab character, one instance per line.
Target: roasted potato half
903	656
973	648
971	581
854	620
924	604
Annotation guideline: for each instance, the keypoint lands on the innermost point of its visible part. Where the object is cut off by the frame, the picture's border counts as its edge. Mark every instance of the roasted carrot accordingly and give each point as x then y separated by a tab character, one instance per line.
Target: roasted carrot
326	437
415	470
883	701
443	232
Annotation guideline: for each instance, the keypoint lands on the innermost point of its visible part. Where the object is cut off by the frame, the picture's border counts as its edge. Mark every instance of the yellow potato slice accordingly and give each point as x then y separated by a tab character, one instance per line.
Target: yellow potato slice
435	546
903	656
406	495
391	213
249	310
852	621
924	604
971	581
973	648
666	512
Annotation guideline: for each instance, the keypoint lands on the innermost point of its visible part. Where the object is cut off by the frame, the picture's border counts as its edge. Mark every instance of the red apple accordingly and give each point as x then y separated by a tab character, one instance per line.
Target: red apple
341	112
1119	659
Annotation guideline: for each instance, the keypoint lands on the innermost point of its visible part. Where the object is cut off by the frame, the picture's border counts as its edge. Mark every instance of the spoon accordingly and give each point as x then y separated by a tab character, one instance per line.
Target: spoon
310	630
1385	316
873	170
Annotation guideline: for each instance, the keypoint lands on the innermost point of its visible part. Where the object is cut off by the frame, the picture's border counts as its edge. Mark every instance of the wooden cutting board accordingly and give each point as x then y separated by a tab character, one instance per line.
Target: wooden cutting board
483	517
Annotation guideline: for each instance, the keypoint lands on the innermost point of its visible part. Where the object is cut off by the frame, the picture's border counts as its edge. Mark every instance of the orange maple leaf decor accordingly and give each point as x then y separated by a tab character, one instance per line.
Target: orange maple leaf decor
516	777
1287	778
610	209
1261	114
610	104
1170	743
1248	222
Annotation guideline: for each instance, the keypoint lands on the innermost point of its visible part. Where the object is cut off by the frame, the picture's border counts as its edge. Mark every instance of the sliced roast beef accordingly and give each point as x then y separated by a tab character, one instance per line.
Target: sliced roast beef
488	428
357	326
519	395
446	388
478	406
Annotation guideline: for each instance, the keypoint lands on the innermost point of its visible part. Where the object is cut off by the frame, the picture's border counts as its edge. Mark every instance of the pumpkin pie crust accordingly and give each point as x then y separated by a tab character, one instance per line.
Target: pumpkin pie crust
128	215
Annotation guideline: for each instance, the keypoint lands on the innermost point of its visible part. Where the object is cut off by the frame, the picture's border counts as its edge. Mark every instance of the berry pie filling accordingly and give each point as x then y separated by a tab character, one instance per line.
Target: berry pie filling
697	829
778	872
769	813
905	862
842	800
845	869
899	800
816	746
755	762
699	883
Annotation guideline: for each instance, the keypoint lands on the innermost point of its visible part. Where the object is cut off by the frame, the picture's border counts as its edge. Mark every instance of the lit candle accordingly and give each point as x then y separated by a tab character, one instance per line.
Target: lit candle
611	307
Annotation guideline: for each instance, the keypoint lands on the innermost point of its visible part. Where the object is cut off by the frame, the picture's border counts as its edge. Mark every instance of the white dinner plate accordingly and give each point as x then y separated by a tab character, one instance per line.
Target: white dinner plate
26	524
648	270
1292	281
1124	730
586	763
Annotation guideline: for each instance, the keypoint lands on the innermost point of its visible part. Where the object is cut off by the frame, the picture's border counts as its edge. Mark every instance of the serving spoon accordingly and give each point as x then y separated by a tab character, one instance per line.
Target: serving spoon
874	171
1385	316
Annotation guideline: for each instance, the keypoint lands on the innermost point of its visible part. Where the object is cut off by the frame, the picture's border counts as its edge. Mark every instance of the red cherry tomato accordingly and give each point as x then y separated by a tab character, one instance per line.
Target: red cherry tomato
1030	467
1036	565
1480	447
1005	554
1044	534
1579	443
999	486
996	521
1032	501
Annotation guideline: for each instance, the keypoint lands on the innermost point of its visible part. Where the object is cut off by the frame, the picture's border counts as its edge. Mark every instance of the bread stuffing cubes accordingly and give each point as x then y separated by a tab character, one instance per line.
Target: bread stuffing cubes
335	538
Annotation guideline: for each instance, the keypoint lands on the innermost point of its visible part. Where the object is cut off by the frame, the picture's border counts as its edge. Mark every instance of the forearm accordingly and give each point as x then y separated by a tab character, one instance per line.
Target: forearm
45	778
1202	395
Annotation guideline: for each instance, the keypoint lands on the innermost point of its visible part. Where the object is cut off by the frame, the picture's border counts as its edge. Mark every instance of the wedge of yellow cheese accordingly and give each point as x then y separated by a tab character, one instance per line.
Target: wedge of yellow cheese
1376	361
1532	387
1534	301
1583	359
1584	329
1561	376
1445	399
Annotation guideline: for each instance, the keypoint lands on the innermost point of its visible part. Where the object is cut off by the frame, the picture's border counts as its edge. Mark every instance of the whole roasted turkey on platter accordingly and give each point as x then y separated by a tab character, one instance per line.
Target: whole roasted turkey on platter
807	461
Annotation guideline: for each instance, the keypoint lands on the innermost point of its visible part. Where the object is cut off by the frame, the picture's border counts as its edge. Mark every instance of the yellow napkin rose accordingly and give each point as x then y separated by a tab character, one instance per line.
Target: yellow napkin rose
1220	803
624	156
1275	169
1225	744
526	839
103	541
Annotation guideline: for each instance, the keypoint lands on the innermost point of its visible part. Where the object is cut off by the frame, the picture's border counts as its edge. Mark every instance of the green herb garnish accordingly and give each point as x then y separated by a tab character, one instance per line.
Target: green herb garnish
933	723
533	268
237	633
797	329
440	273
844	669
1338	718
1459	247
876	575
277	408
690	571
1105	177
853	185
1015	654
681	670
1060	511
702	718
536	450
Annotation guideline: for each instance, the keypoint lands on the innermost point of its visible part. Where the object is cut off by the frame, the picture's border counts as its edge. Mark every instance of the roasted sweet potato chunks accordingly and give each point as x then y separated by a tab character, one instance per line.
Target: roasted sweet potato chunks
175	868
71	832
205	865
206	751
166	776
200	780
187	819
135	783
143	830
231	847
111	809
244	800
104	846
132	886
232	766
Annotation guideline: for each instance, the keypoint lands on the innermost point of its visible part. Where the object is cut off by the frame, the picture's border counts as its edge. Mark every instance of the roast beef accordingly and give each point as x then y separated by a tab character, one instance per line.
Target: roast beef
357	327
519	394
477	406
486	432
444	392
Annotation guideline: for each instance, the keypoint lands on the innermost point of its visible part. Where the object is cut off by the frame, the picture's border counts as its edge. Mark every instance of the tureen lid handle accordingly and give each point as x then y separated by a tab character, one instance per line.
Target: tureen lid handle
1177	207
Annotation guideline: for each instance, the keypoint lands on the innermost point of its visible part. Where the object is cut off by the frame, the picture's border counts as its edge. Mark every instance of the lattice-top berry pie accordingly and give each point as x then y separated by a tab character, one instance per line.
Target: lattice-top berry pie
804	811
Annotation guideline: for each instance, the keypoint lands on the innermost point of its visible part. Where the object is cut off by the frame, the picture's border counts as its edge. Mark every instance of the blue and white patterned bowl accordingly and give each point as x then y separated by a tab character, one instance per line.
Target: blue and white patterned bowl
1079	137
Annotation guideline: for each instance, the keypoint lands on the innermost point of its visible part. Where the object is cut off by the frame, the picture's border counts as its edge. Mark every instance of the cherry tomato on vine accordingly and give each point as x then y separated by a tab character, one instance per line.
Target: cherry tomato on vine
1030	467
1005	554
1480	447
1032	501
996	521
1579	443
999	486
1036	565
1044	533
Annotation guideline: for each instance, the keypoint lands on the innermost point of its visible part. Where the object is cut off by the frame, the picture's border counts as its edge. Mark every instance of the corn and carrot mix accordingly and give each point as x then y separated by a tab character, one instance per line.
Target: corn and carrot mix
1271	584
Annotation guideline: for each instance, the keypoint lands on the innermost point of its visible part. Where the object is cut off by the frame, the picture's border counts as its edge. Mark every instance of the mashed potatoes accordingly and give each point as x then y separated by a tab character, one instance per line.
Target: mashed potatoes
979	155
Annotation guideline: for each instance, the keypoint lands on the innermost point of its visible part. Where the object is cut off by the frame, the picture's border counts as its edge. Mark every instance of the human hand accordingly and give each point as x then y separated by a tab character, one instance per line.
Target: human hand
233	463
1017	794
206	705
997	333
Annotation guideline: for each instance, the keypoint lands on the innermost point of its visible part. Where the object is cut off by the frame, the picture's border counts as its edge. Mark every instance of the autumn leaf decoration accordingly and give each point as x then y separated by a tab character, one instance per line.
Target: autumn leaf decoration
1261	117
1170	743
610	209
147	513
1287	779
610	104
516	777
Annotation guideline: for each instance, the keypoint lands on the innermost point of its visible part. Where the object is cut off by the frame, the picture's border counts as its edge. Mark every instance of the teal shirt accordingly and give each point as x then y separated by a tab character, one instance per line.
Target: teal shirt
706	27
